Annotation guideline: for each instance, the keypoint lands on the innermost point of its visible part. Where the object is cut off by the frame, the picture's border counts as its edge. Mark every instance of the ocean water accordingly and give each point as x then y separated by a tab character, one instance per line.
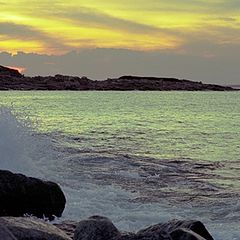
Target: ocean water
138	158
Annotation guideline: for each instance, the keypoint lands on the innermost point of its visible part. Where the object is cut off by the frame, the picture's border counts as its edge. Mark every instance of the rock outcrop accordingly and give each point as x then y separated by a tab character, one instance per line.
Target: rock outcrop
12	228
178	228
13	80
101	228
5	71
21	195
97	228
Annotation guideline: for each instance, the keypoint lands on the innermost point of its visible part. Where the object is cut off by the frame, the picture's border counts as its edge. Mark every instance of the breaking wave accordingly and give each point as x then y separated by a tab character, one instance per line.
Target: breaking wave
21	148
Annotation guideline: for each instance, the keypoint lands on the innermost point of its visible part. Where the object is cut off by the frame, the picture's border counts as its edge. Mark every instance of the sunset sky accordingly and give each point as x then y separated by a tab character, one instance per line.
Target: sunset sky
190	30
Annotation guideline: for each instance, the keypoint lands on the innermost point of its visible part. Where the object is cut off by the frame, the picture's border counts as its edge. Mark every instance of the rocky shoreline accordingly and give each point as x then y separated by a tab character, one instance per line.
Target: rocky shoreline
11	79
42	201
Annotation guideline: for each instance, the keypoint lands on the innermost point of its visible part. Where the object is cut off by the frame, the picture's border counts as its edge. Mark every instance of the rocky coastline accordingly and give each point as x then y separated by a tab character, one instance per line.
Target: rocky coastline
11	79
28	204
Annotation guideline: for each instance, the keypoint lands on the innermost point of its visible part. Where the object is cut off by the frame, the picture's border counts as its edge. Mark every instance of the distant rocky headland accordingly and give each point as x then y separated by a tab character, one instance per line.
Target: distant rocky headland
11	79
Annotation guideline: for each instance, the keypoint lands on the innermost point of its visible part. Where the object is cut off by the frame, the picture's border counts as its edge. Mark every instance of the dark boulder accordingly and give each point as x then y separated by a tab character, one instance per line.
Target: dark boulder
96	228
19	228
162	228
101	228
21	195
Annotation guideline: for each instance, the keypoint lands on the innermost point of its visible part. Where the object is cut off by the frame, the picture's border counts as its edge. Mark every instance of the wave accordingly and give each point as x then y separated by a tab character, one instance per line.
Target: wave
22	149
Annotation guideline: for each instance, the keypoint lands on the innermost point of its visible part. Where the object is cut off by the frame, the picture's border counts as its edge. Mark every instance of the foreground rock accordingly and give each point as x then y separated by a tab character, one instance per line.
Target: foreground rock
68	226
96	228
12	80
21	195
184	234
12	228
178	230
101	228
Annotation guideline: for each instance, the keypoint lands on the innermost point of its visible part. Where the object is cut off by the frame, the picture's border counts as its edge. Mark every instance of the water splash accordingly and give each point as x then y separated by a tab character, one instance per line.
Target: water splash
21	148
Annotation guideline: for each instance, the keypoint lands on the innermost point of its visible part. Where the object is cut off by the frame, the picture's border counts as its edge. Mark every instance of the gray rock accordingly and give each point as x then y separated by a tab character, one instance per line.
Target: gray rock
6	234
21	195
96	228
166	228
101	228
132	236
184	234
67	226
19	228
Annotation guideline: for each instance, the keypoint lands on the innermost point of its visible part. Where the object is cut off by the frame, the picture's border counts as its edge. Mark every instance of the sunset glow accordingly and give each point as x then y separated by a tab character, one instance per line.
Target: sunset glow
19	69
59	27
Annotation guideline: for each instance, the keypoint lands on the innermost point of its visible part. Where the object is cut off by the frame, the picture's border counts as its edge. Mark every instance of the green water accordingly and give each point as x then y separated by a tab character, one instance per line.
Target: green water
169	125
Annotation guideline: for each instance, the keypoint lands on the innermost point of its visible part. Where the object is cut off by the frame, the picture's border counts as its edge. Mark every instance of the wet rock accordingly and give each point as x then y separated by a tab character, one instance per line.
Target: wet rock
96	228
6	234
19	228
21	195
132	236
184	234
68	227
101	228
195	226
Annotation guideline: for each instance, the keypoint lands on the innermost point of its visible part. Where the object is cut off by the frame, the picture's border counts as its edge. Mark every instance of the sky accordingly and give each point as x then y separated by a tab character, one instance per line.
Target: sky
193	39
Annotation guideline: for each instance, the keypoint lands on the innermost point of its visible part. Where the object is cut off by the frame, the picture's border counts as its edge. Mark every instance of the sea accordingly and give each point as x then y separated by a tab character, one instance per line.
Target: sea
138	158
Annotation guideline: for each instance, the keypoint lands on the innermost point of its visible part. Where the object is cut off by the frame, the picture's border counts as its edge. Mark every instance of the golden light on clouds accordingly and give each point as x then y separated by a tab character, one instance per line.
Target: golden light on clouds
58	26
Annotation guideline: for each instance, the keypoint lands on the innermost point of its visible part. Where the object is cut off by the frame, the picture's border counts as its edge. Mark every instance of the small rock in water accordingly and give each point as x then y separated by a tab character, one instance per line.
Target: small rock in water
21	195
20	228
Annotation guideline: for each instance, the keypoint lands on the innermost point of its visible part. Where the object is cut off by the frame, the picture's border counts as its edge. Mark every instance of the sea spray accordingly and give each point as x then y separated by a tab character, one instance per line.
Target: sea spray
21	148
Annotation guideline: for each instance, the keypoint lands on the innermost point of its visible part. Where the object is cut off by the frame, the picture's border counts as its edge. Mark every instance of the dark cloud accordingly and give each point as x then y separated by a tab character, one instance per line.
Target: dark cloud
103	63
23	32
19	31
91	17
